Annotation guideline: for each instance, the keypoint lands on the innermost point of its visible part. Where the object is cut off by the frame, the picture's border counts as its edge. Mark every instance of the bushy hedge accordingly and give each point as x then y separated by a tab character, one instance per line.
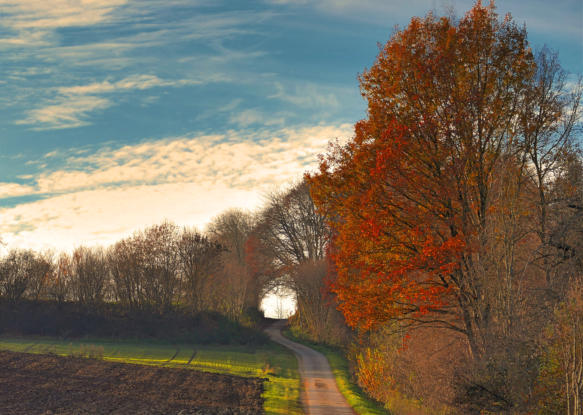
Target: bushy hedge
74	320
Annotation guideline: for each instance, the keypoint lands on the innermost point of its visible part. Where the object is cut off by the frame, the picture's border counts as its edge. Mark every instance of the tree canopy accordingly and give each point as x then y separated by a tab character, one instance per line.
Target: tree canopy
415	199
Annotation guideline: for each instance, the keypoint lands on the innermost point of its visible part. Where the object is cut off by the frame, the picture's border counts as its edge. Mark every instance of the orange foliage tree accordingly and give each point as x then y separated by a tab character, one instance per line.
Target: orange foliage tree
410	197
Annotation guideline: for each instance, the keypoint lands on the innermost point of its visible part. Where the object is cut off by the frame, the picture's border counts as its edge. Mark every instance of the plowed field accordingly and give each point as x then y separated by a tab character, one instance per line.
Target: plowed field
50	384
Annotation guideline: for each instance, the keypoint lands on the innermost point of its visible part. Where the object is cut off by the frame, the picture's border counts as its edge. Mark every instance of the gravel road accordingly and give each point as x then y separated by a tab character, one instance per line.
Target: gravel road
320	393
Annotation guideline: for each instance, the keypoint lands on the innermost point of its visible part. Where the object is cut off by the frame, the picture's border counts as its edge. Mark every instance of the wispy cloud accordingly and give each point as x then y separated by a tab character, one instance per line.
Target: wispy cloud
69	112
131	25
32	22
99	196
27	38
74	104
563	19
139	82
28	14
243	158
251	117
376	11
15	189
121	37
308	95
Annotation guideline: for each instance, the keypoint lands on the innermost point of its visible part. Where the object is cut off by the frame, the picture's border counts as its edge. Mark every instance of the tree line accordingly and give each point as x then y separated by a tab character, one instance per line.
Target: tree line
227	269
153	269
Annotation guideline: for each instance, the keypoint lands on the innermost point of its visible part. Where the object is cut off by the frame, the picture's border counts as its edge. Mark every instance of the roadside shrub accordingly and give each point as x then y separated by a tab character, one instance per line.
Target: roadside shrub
559	387
252	317
409	373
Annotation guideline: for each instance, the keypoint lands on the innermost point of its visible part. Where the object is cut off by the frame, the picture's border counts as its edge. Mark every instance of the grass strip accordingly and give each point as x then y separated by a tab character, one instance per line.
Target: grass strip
354	395
273	362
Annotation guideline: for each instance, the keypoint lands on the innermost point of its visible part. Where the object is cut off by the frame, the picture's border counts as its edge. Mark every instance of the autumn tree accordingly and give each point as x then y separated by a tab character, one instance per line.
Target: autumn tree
460	113
559	387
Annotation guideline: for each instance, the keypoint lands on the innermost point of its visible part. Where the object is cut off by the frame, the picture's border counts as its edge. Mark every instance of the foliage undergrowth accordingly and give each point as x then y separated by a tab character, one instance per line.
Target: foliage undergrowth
269	361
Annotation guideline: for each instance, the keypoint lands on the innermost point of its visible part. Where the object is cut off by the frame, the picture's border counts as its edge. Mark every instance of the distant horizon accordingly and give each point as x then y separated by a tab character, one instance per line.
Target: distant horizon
119	115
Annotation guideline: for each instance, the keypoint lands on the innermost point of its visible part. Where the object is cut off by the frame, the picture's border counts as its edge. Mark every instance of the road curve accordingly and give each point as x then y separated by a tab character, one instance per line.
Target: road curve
320	393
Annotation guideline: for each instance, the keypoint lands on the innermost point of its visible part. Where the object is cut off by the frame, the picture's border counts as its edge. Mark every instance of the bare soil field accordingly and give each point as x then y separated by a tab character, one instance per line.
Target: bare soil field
50	384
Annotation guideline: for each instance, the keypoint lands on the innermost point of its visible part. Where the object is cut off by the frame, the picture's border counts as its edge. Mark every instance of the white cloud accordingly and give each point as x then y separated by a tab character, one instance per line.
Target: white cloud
15	189
32	32
29	14
99	197
36	38
138	82
73	104
563	18
249	117
34	28
377	11
288	1
246	118
33	22
306	95
246	159
103	216
65	113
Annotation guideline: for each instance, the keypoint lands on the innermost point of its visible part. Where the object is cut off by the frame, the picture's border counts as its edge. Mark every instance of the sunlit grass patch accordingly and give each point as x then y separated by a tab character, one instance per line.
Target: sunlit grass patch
353	394
279	366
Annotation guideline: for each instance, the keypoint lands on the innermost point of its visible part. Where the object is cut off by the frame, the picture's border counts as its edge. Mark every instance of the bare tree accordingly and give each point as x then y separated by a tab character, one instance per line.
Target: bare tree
232	230
60	283
290	228
15	270
40	274
295	236
232	283
199	260
313	300
290	232
126	273
159	262
551	110
90	275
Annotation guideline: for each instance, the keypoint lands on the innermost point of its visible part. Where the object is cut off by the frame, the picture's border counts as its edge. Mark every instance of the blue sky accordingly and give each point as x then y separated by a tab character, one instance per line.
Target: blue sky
118	114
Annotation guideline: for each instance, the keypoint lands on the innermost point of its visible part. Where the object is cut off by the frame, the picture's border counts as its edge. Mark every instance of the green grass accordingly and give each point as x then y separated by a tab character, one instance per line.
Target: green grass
278	365
339	365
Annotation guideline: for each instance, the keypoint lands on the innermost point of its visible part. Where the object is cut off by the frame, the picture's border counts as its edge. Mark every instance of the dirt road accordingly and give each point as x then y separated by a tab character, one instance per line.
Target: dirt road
320	393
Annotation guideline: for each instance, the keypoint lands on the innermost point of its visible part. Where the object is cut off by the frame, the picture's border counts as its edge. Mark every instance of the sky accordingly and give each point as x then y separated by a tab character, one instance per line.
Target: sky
119	114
